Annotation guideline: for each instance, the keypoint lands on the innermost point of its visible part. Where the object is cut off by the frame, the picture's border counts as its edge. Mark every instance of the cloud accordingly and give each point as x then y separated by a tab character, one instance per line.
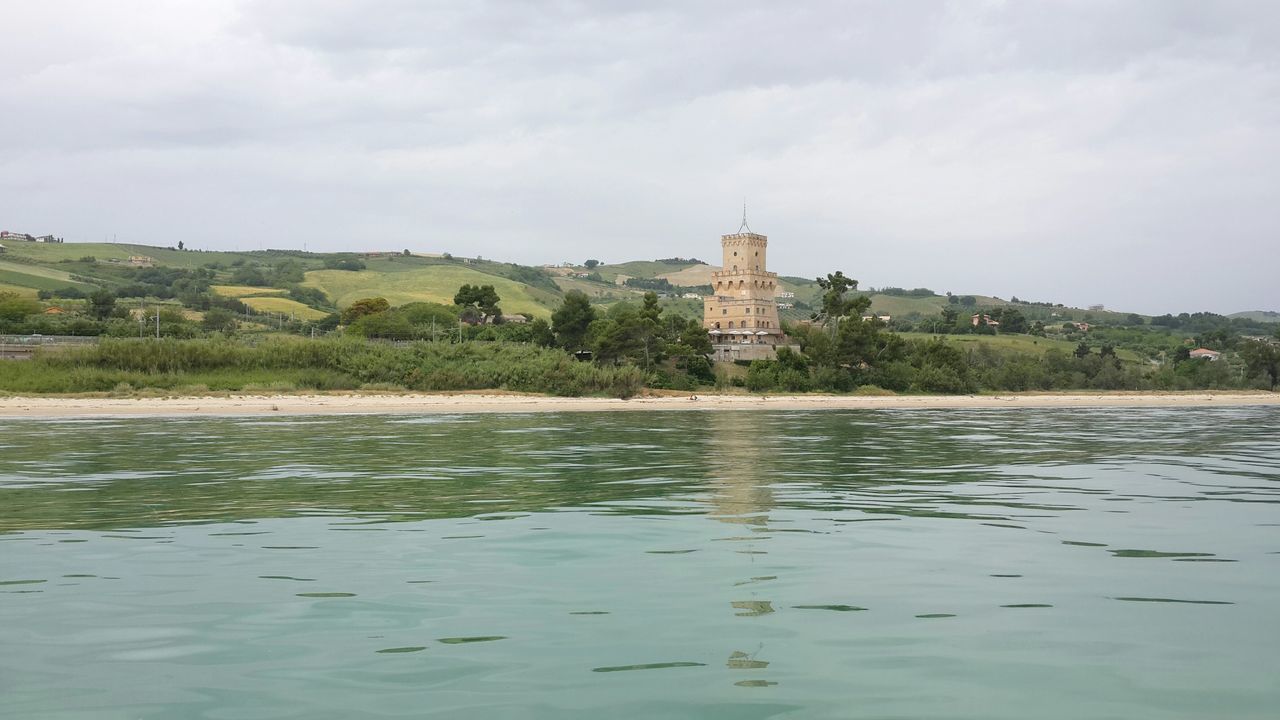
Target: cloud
1075	152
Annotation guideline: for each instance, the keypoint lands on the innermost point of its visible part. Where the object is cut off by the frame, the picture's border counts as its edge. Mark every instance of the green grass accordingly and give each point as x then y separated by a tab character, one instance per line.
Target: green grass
281	364
18	290
1030	344
36	282
1258	315
433	283
593	290
897	305
285	306
241	291
638	269
189	259
36	270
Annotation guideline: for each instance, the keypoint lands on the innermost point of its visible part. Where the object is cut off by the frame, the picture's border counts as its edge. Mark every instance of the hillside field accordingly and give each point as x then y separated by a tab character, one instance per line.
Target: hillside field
433	283
1030	344
242	291
285	306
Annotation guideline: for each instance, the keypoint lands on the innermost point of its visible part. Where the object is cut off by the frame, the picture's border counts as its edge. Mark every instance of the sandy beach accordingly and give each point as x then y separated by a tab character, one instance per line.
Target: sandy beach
51	407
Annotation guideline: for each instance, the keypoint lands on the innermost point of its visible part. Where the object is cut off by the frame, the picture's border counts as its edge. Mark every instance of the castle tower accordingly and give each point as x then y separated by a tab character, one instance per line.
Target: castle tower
741	310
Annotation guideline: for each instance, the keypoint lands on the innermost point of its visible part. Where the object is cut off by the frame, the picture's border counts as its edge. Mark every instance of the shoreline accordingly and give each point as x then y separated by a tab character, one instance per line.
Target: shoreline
464	403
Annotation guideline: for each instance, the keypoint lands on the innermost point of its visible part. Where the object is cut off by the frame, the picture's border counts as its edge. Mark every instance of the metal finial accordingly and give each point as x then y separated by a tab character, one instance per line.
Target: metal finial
744	225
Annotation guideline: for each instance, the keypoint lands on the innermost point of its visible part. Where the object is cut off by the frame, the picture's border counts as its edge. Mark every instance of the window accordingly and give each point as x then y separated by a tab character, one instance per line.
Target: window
724	311
730	324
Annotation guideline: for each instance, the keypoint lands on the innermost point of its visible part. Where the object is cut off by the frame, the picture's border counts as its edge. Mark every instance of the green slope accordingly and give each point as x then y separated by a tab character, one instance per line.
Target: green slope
1030	344
37	277
1270	316
432	283
639	269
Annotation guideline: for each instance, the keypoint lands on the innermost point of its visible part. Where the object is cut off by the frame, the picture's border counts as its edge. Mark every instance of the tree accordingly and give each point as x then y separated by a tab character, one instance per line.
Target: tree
407	253
249	275
483	298
835	304
625	334
363	307
14	308
1012	321
695	337
1082	350
344	263
218	320
181	245
591	264
571	321
650	309
101	304
540	333
1262	358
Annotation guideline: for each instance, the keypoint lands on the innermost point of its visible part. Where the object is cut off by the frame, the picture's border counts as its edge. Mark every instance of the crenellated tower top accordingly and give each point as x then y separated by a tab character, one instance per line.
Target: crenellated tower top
744	252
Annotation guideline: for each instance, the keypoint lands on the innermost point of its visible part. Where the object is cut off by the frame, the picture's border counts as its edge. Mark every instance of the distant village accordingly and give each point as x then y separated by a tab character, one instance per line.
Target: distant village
7	236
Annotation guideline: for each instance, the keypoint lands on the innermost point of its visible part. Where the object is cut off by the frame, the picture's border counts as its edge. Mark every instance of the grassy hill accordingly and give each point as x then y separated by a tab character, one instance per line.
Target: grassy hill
432	283
31	267
1258	315
284	306
647	269
1030	344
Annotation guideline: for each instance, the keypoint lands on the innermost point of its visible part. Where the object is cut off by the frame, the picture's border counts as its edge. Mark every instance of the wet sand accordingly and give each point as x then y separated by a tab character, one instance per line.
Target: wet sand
407	404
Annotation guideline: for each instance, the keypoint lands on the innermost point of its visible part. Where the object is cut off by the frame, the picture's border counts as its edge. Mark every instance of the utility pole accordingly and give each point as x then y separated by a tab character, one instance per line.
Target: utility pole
157	322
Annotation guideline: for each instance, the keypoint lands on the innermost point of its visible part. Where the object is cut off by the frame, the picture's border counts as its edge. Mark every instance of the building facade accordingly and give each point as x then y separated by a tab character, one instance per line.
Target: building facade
741	314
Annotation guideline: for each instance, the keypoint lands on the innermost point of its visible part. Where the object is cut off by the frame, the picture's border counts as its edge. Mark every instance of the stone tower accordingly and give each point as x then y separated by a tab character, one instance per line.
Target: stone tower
741	310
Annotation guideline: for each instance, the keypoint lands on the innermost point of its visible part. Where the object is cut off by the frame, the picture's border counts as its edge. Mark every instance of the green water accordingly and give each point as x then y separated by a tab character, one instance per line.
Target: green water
925	564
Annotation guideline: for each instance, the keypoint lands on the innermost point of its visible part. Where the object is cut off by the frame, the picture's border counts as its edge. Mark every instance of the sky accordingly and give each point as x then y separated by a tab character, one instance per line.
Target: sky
1124	153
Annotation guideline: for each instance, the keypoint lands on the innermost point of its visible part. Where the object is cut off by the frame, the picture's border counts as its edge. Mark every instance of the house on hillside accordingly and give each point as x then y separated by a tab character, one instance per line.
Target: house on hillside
691	296
142	261
49	239
887	318
1205	353
23	237
784	294
1082	326
986	320
3	249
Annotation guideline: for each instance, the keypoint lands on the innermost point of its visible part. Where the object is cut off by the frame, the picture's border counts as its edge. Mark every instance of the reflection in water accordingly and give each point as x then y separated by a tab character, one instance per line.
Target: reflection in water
1084	563
739	472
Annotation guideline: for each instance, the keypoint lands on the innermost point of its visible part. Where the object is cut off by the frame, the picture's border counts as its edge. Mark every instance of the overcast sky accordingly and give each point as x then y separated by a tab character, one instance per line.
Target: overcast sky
1124	152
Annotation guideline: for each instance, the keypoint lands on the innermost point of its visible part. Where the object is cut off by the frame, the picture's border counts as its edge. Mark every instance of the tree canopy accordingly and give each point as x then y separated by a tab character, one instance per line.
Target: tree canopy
482	298
570	322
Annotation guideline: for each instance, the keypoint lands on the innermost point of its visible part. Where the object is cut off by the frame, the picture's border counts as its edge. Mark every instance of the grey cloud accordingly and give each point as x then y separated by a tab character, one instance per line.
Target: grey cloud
1073	151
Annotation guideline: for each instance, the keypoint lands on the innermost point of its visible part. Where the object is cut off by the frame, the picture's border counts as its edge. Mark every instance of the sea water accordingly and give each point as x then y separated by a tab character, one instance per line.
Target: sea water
1110	563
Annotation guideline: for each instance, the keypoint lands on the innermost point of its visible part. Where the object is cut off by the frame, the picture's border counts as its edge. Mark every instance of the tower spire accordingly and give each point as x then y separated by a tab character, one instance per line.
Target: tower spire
744	225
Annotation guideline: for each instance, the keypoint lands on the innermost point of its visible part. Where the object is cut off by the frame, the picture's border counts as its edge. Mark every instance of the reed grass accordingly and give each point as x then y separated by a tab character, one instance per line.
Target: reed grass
294	364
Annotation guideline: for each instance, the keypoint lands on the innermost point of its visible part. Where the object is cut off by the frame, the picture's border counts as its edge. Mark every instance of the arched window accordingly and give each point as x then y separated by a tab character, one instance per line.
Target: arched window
730	324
